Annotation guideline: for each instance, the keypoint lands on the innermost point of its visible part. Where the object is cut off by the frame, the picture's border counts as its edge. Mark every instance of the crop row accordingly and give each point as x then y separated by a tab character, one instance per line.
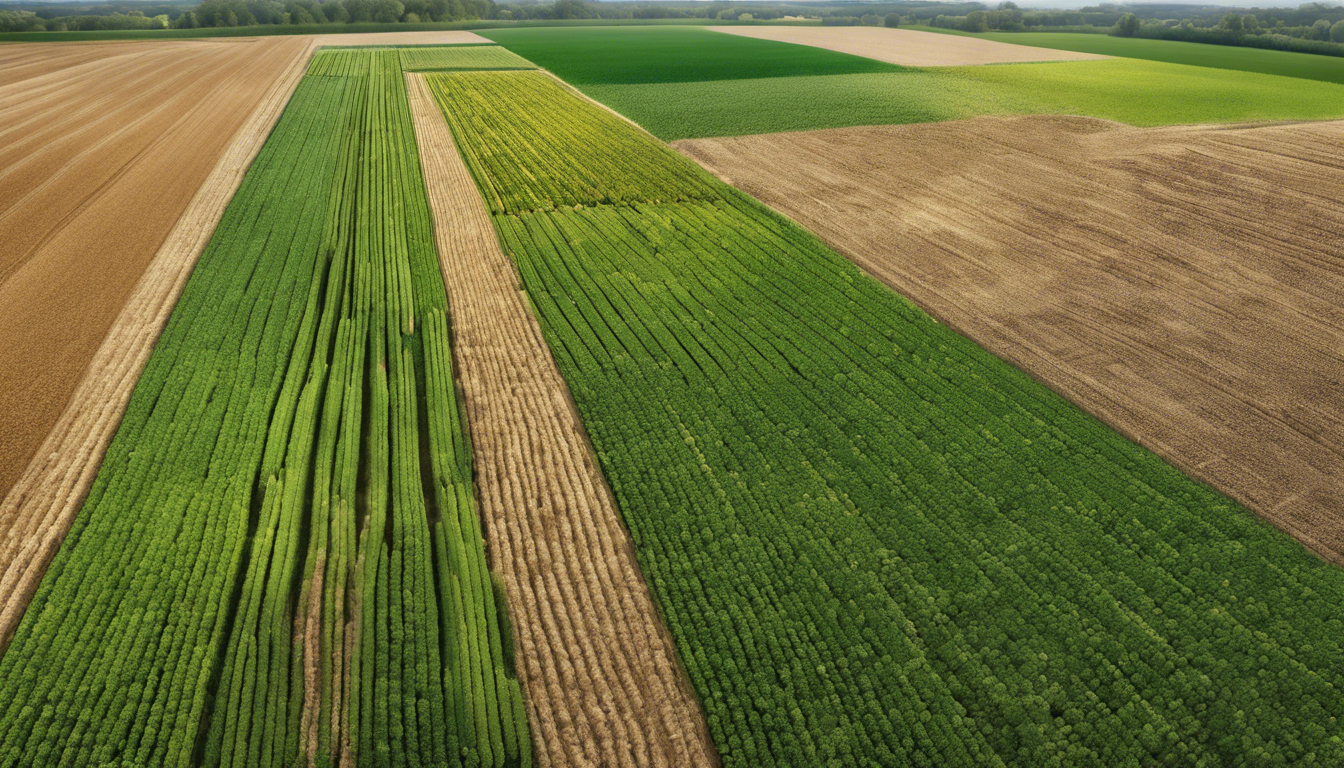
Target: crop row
280	561
450	57
875	543
541	157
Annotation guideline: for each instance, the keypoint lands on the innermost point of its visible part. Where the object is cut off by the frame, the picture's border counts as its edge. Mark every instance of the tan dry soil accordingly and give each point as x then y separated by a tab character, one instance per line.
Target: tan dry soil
97	282
1185	285
908	47
604	684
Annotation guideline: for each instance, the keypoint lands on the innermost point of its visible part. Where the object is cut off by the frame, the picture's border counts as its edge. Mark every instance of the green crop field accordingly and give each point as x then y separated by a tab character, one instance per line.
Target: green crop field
1129	91
288	502
859	538
449	57
585	56
875	543
1268	62
681	83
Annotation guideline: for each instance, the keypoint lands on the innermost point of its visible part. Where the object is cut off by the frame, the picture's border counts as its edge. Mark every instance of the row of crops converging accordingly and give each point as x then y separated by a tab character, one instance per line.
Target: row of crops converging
280	561
874	543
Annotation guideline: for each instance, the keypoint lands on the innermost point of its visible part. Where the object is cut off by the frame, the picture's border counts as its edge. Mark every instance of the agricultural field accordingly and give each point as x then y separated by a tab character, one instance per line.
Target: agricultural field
806	461
287	508
1068	277
585	56
590	640
406	399
909	48
1268	62
88	146
766	93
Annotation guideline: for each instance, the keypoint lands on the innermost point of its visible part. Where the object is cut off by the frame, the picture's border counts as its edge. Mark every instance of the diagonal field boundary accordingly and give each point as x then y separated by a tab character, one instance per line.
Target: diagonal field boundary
39	509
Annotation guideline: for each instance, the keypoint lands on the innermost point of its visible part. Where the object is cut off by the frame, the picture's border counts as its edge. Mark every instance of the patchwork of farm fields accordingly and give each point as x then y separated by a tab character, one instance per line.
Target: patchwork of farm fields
808	462
698	96
281	555
102	136
444	415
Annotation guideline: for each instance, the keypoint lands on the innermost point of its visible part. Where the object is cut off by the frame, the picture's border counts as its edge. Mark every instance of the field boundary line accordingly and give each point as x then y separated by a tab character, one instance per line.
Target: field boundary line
554	532
38	511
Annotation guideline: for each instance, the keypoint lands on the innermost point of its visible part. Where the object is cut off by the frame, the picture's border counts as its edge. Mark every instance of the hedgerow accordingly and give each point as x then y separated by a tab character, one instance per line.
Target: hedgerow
875	543
280	560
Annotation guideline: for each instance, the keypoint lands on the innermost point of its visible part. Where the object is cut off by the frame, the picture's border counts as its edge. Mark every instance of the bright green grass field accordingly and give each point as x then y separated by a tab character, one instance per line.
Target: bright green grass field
1286	63
1145	93
606	55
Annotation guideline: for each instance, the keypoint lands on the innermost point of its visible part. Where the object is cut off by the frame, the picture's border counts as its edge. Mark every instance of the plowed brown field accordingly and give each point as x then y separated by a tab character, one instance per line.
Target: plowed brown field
1186	285
97	161
605	686
908	47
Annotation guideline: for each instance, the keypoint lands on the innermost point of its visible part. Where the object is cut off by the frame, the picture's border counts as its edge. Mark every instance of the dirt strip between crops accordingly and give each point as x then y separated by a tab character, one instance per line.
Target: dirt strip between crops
1185	285
95	270
603	681
908	47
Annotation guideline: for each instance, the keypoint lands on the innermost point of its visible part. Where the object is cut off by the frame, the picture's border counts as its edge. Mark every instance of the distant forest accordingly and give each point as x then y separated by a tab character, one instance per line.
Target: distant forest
1311	28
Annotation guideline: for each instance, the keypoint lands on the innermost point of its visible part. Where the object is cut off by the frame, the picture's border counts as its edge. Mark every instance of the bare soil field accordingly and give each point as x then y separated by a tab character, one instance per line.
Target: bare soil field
21	61
97	162
907	47
110	327
1185	285
605	686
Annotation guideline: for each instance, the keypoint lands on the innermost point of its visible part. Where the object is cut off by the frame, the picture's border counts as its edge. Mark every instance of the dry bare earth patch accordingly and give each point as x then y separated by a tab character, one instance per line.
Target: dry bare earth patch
108	271
908	47
97	162
22	61
1182	284
605	686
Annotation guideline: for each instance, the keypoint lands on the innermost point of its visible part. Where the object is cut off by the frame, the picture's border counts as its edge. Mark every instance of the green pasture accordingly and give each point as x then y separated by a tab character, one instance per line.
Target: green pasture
1145	93
1264	61
629	55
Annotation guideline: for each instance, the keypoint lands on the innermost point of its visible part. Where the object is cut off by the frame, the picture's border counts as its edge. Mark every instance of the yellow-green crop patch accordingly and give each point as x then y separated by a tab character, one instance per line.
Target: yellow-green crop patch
453	57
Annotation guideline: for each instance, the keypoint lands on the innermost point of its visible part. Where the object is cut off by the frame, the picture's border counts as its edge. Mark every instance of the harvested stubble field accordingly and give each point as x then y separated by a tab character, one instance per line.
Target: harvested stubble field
1183	284
605	684
98	161
908	48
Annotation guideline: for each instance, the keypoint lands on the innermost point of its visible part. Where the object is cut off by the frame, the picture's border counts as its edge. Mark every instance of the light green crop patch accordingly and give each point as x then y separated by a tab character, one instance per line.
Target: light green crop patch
447	58
1149	93
1144	93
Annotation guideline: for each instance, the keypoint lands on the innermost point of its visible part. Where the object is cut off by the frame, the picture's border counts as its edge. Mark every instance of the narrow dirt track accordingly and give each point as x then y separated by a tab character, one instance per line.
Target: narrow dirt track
908	47
1185	285
97	162
108	300
605	686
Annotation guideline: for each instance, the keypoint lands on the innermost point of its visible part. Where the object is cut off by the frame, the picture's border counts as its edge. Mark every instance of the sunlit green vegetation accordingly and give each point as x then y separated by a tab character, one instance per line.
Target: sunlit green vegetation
1126	90
875	543
450	57
280	561
670	54
1267	62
